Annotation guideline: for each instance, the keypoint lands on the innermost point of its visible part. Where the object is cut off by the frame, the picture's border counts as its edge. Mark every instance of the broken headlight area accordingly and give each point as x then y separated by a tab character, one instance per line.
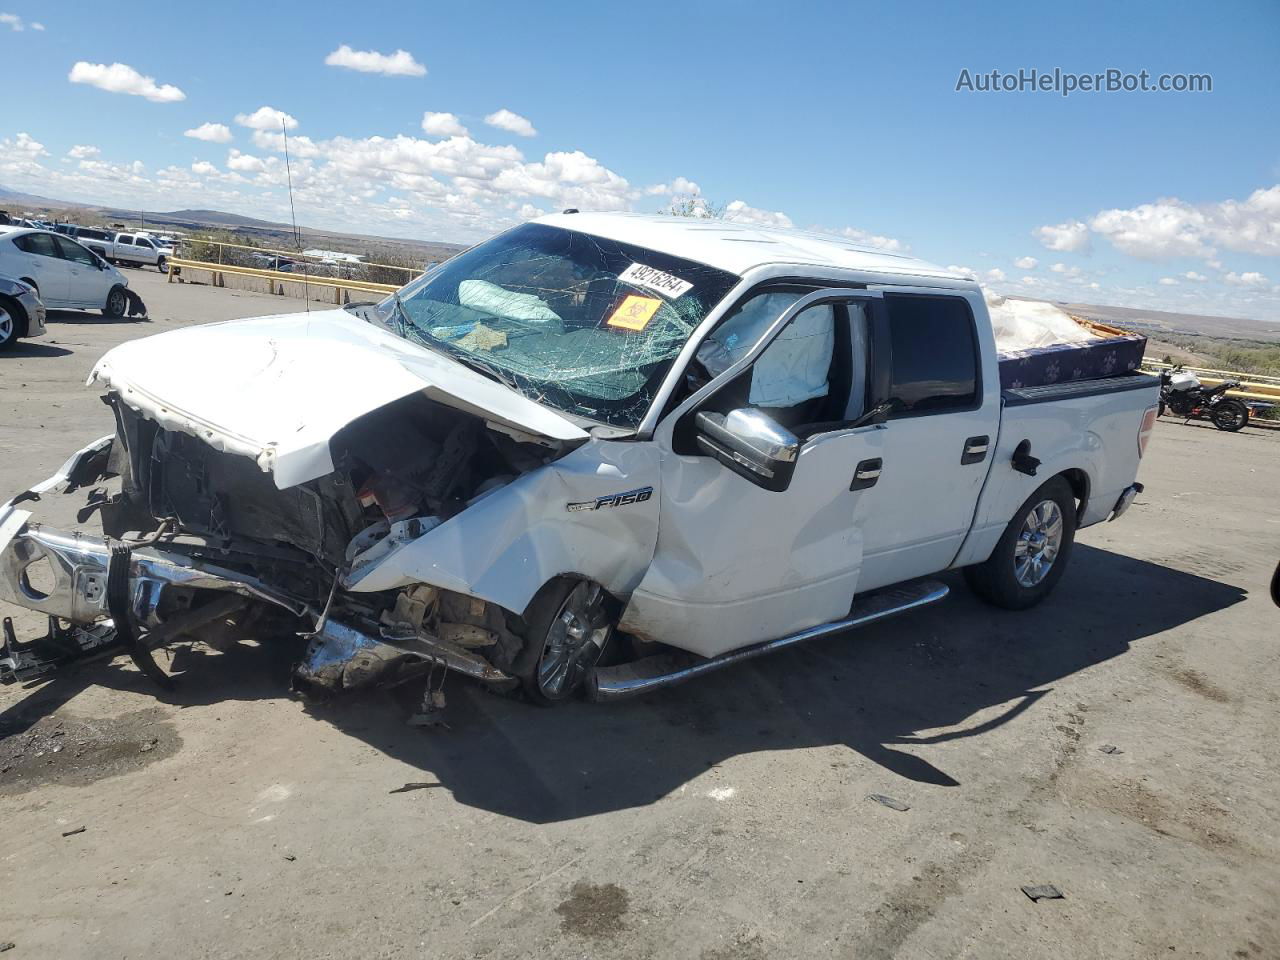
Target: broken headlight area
200	545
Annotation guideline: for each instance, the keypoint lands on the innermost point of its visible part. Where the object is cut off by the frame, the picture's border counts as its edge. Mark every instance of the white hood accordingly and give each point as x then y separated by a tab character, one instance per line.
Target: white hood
278	388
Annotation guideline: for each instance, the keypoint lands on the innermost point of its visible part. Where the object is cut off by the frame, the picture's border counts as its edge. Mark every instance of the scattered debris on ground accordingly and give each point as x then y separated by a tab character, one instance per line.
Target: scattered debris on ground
72	833
890	802
414	786
1110	748
1042	891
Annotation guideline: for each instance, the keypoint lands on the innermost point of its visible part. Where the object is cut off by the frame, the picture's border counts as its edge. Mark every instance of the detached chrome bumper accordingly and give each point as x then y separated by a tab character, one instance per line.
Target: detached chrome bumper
74	582
1126	501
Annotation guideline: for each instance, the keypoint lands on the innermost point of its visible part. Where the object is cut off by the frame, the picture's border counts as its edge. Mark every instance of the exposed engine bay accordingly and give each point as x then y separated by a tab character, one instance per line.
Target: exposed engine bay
202	545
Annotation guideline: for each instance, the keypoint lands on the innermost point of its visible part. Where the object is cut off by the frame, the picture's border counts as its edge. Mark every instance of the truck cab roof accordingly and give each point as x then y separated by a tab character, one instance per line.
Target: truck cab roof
740	247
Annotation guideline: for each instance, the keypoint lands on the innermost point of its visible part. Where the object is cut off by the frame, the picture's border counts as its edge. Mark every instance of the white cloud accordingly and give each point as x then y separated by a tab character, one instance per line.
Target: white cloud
740	212
511	122
963	271
1250	279
266	118
1195	277
442	125
244	162
299	146
211	132
37	26
204	168
867	239
82	151
1026	263
12	21
1167	282
26	146
1066	271
122	78
995	275
1072	235
679	187
398	64
1170	227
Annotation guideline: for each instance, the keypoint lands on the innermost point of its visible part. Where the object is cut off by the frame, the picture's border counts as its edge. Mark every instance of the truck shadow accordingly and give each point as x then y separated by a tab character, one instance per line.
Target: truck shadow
879	691
870	690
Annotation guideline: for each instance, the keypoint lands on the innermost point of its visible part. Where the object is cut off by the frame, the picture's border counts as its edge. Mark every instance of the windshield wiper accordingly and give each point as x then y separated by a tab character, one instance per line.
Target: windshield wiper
489	370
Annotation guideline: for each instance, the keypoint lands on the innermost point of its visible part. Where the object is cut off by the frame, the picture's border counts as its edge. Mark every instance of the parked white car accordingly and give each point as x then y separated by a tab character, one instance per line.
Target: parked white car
687	442
64	273
140	249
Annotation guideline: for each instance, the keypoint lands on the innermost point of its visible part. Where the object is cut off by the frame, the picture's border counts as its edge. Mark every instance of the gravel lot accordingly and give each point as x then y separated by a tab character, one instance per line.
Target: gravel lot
726	819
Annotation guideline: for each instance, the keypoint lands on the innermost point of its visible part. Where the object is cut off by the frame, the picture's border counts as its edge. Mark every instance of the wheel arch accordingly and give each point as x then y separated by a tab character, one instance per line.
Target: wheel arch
1079	481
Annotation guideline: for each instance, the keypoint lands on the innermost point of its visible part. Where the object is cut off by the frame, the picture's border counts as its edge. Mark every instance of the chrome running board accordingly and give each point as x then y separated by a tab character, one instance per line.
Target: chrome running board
665	670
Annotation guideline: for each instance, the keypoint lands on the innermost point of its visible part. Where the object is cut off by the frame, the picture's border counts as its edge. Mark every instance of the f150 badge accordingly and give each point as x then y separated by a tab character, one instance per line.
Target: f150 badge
612	500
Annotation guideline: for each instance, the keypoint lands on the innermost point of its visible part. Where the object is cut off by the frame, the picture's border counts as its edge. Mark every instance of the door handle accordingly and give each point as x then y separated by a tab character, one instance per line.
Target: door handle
975	450
866	473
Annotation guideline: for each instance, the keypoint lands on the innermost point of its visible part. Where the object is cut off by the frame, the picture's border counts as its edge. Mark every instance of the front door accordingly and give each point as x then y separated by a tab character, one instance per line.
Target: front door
737	562
84	276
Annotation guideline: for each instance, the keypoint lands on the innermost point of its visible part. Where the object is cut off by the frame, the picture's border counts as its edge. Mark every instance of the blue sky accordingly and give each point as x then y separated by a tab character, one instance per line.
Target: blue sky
842	117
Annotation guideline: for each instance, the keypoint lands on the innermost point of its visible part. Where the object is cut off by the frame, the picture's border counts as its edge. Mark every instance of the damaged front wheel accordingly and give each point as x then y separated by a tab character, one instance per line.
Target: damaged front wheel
567	627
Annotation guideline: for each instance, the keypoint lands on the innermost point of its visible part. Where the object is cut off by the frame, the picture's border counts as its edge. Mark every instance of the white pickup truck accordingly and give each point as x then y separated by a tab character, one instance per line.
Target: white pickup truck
140	249
597	452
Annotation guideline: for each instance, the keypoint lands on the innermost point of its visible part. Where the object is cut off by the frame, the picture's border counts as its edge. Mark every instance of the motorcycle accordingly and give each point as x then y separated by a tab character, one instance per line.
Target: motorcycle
1183	395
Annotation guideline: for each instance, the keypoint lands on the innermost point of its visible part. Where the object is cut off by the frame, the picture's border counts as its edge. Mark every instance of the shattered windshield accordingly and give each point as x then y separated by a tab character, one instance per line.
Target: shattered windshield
586	325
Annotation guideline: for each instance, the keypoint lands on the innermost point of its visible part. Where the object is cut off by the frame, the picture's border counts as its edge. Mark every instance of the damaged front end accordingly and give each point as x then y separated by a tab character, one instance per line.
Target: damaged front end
200	544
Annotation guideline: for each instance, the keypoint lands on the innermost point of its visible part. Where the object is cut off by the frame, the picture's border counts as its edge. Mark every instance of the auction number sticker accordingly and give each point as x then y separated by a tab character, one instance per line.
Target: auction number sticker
650	278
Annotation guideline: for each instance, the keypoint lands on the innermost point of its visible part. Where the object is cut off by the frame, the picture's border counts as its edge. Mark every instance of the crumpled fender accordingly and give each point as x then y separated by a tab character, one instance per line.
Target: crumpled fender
505	546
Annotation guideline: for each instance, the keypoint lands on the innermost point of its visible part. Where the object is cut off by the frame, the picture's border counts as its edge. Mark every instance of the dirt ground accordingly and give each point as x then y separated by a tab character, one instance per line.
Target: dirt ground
727	820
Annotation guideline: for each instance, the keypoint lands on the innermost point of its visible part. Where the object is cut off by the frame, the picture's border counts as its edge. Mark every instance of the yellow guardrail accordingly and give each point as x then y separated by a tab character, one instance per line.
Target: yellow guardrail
277	277
297	256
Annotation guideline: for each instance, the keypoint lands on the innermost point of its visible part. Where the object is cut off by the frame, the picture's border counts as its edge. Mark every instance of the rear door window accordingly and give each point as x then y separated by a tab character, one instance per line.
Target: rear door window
125	239
40	244
934	355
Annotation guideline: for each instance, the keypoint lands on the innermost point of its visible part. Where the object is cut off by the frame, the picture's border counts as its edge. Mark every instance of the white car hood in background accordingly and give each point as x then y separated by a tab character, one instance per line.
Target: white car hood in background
278	388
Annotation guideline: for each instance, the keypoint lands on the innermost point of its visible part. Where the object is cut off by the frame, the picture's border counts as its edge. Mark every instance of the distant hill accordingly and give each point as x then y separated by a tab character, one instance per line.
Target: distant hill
265	232
1190	324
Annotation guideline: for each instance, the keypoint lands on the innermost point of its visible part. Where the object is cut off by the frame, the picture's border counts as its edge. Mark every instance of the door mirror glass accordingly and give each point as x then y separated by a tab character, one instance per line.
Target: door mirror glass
751	444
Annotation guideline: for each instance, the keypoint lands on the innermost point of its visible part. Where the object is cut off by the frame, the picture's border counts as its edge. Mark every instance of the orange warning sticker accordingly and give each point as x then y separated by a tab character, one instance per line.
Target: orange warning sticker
634	313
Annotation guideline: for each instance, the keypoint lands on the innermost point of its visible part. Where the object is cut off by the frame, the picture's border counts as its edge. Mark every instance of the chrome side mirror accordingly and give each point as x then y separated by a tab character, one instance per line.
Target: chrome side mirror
751	444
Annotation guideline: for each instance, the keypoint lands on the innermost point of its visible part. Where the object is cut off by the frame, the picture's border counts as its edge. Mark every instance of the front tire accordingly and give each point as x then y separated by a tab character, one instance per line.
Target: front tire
1230	415
565	630
162	265
1031	555
10	326
116	304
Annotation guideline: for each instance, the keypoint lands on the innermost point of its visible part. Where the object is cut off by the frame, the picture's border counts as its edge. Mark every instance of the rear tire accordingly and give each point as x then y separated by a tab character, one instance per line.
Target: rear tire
1031	555
1230	415
116	304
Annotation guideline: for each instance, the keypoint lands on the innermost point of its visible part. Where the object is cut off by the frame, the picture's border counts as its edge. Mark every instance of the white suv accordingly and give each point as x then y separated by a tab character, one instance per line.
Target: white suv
64	273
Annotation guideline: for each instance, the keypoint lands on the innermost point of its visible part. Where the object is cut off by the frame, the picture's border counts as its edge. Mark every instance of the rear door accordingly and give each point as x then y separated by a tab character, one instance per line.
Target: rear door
939	433
37	259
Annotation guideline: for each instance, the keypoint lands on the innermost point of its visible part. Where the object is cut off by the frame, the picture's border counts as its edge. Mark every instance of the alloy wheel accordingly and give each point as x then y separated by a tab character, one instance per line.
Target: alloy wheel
574	641
1038	543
